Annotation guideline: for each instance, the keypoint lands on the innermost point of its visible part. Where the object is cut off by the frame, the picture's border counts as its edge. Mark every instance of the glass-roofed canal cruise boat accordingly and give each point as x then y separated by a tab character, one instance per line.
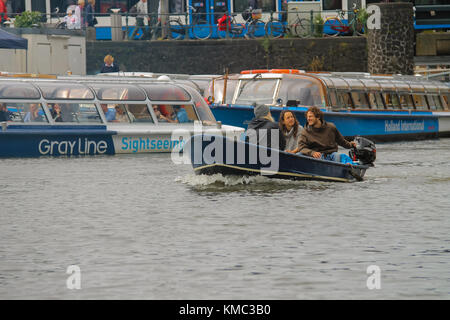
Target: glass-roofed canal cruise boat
379	107
100	115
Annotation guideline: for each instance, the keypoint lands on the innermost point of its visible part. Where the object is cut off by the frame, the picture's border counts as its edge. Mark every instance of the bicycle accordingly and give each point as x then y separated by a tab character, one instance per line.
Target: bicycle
276	29
227	25
200	27
339	27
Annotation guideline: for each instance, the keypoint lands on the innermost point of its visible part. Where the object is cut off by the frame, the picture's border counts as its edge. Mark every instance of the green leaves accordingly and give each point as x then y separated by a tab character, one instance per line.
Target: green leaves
28	19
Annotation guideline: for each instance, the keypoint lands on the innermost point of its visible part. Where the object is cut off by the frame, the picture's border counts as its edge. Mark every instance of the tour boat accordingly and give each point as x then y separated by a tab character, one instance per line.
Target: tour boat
380	107
100	116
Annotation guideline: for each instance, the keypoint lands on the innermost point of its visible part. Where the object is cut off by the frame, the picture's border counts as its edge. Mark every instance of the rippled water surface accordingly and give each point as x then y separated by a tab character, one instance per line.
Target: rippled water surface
140	227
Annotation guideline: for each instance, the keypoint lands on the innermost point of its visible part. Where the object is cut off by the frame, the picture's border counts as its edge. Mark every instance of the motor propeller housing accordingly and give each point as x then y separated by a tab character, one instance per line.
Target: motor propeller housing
365	151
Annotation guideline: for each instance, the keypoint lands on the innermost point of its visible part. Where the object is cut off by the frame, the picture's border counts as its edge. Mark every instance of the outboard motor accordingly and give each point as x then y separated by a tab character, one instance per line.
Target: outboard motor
365	151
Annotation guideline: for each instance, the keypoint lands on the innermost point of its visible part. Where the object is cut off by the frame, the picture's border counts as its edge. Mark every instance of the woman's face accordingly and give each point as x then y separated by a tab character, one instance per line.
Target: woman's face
289	120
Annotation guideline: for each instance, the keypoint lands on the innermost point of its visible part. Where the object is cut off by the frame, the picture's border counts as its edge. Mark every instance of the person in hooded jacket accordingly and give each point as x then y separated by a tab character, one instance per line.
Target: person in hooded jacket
320	139
262	127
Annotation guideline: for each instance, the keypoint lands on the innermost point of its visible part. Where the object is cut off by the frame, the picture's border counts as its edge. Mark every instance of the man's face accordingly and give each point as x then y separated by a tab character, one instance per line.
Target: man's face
311	119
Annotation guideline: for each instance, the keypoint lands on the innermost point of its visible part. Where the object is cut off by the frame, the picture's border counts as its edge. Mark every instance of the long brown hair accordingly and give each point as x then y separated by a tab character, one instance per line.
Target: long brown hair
282	125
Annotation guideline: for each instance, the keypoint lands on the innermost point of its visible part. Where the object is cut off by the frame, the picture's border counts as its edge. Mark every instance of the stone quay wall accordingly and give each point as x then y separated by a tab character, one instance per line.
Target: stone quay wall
391	47
215	56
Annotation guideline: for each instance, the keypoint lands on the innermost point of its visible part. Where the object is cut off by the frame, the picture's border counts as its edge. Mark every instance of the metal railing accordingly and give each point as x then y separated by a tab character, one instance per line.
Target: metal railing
275	24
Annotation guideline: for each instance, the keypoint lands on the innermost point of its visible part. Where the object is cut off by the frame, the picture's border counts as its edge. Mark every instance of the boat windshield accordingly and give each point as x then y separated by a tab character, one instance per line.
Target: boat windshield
217	89
306	92
257	90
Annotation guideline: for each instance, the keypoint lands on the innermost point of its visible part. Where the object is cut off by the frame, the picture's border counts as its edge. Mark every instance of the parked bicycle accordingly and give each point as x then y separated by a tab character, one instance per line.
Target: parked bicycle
227	25
200	28
300	27
339	26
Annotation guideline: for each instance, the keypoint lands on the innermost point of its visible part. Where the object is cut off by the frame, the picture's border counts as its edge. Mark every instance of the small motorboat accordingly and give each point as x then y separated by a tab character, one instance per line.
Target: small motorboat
212	154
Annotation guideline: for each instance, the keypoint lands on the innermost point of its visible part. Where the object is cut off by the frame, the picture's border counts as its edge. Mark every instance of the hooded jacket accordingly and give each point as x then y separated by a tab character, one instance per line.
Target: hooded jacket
324	139
263	128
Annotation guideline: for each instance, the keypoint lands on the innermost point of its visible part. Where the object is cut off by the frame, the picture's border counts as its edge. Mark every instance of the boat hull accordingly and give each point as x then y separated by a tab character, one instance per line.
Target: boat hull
377	126
217	154
80	140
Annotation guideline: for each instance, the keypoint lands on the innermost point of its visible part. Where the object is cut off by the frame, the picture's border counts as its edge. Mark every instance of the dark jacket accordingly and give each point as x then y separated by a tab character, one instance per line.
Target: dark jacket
324	139
263	129
113	68
5	115
89	14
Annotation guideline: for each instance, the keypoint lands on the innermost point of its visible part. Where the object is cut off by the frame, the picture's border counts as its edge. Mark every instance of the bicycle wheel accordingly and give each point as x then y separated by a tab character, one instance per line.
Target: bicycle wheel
234	31
274	28
252	28
201	30
333	27
177	30
303	28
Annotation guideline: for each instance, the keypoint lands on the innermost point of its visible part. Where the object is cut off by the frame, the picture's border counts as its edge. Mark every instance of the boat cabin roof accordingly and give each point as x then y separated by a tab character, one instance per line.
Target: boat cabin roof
91	92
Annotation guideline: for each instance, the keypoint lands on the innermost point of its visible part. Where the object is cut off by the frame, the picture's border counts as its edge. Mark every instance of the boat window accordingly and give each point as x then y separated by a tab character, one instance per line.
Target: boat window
57	91
340	83
437	102
333	98
175	113
306	91
391	100
375	100
166	92
126	113
257	90
123	114
18	91
118	92
419	102
401	86
74	112
25	112
202	108
445	101
406	101
360	100
345	100
433	102
219	88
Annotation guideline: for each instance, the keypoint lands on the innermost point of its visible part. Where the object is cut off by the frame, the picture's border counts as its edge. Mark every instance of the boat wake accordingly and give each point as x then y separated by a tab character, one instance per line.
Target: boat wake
219	179
229	183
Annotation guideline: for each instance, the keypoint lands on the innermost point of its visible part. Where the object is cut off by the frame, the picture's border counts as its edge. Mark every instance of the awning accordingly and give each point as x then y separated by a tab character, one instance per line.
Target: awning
11	41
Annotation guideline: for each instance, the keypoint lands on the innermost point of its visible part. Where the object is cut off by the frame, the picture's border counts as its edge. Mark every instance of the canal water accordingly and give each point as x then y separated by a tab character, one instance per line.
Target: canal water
141	227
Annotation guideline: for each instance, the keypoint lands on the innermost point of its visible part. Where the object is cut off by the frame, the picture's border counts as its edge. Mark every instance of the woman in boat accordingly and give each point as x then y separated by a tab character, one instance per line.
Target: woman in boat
261	128
291	130
320	139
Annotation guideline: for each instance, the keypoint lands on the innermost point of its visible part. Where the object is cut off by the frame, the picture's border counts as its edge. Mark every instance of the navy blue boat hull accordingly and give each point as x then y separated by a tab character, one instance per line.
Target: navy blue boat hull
217	154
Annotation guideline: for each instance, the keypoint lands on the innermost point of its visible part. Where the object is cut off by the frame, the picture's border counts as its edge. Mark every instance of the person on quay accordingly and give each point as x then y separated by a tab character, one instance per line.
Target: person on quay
264	126
109	65
142	15
291	130
320	139
3	12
